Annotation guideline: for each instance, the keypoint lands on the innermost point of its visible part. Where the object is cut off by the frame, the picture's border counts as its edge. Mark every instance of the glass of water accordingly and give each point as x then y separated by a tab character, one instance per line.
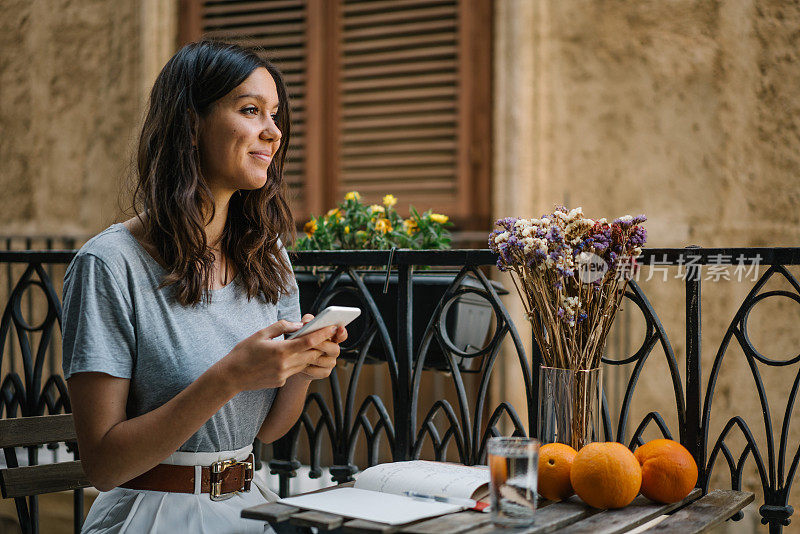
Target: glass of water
513	465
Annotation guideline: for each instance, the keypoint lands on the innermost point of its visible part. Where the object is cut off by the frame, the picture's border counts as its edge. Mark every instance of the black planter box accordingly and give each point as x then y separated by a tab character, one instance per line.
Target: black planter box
467	321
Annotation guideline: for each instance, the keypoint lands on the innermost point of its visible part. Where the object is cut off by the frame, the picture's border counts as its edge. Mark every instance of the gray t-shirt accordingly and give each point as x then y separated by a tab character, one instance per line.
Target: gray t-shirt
117	321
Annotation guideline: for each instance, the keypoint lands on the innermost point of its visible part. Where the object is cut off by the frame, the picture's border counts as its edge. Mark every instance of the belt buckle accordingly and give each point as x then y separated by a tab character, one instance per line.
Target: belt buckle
219	467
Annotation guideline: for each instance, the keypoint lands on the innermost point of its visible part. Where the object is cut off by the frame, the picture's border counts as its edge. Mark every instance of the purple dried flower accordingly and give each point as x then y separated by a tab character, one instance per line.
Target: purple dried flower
505	253
554	235
507	223
492	236
624	222
566	273
583	245
602	240
638	237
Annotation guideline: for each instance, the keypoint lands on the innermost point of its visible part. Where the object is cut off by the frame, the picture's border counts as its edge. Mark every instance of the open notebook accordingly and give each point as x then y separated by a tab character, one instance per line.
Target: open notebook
379	492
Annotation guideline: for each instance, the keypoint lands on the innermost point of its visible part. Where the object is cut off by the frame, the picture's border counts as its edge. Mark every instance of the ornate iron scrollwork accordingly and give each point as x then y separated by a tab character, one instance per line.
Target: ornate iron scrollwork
338	420
775	480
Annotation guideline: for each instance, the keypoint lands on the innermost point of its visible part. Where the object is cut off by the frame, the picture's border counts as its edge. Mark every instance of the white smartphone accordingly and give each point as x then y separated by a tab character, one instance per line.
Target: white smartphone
332	315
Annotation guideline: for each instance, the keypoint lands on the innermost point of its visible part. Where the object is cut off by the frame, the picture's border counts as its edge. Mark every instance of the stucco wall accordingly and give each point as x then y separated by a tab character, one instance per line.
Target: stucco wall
73	79
683	110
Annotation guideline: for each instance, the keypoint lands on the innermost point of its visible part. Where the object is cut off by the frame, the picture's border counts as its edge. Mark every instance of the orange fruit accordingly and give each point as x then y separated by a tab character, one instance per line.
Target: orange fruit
555	464
606	475
668	470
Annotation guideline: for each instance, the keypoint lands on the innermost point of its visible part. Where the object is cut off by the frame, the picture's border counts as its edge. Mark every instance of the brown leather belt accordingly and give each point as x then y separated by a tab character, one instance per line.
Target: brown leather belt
222	479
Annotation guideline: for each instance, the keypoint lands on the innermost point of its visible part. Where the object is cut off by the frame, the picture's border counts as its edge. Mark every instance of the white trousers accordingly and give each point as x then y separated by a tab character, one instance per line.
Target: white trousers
130	511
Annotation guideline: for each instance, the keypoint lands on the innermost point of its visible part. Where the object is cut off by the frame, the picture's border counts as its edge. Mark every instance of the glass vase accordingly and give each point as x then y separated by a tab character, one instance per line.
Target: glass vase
569	406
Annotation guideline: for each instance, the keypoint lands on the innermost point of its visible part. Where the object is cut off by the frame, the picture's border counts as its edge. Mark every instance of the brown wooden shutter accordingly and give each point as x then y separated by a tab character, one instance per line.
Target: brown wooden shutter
389	96
401	124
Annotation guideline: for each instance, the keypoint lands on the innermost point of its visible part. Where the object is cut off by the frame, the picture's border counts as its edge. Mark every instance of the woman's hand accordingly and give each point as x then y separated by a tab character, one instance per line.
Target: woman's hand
261	361
289	403
329	351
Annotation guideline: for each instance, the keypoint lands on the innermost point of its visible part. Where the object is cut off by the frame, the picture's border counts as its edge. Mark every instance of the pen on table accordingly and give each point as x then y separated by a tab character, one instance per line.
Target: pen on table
469	503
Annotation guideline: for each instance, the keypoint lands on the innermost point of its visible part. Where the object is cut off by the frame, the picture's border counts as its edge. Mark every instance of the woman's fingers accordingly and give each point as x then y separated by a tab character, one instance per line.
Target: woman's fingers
311	340
329	347
308	357
341	335
285	327
278	328
318	358
299	361
313	354
324	360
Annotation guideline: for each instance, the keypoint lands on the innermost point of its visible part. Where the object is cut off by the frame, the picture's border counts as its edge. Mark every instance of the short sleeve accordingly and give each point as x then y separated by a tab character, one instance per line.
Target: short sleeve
289	303
97	322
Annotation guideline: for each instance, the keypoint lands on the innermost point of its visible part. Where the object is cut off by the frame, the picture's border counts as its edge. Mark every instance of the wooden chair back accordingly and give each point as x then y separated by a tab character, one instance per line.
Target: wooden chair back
24	483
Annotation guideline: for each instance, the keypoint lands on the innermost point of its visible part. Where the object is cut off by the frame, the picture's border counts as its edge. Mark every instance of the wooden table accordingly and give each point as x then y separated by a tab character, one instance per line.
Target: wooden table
696	513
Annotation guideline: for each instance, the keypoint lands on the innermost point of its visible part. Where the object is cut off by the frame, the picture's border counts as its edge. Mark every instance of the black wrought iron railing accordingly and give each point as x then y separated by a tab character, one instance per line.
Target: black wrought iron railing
492	389
10	272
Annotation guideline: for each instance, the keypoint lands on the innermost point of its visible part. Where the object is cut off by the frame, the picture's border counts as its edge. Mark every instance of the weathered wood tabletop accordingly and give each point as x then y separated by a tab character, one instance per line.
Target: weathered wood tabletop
696	513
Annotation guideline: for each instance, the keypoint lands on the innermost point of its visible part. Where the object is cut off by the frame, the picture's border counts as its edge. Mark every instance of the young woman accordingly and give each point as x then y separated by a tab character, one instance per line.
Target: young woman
173	321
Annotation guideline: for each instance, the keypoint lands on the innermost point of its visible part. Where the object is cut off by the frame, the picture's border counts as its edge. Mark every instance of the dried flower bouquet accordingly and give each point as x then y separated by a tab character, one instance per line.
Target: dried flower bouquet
571	273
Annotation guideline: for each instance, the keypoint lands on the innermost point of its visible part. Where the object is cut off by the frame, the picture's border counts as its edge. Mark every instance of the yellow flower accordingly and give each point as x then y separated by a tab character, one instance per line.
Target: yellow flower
410	226
376	208
383	226
310	228
441	219
347	229
389	201
352	195
335	211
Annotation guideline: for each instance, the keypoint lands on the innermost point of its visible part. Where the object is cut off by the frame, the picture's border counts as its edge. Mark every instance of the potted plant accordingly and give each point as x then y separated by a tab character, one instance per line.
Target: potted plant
355	226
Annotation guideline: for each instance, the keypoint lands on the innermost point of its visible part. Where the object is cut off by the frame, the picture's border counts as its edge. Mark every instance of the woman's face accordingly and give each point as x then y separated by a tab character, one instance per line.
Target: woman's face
238	137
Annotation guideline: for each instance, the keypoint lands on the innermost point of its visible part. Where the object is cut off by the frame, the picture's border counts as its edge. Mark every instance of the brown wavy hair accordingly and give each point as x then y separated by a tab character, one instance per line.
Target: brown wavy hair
172	190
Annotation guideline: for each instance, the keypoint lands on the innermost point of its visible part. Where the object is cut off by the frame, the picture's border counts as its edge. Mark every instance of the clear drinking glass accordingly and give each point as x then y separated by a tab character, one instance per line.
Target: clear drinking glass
569	405
513	465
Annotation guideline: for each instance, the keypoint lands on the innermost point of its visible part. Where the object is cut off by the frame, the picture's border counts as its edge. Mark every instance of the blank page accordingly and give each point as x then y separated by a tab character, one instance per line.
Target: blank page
371	505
